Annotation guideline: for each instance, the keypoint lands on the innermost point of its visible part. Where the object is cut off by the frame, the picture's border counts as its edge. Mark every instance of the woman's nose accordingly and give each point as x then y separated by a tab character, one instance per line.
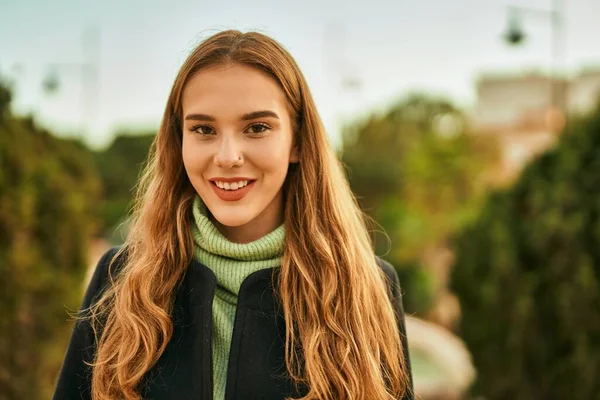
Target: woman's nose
229	154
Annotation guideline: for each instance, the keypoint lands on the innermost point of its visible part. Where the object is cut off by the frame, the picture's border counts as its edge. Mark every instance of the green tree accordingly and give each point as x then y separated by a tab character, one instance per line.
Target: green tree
48	189
119	166
527	275
417	172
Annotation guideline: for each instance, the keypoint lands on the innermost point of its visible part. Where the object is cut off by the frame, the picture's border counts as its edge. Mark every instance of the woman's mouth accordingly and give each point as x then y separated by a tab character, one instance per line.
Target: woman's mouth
232	191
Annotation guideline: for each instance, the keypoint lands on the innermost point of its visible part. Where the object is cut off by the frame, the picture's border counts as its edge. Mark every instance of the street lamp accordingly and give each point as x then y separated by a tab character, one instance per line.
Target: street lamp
88	72
514	32
515	35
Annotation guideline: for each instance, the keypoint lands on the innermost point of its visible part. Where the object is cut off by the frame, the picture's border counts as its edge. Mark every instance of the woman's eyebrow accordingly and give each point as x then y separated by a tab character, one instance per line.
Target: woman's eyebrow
259	114
199	117
245	117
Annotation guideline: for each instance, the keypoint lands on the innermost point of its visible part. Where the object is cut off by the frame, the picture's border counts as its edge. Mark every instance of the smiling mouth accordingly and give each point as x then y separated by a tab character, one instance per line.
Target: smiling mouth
232	194
228	187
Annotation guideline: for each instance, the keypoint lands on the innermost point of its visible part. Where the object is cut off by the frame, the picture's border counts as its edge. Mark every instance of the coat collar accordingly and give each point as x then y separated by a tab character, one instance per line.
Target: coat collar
252	291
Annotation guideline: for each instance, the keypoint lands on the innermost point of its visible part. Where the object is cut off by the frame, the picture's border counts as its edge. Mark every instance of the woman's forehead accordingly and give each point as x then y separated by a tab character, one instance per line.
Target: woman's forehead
232	90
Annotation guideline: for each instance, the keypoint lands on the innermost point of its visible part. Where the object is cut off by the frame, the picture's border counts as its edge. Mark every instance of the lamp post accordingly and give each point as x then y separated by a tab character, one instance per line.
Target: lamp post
515	35
88	72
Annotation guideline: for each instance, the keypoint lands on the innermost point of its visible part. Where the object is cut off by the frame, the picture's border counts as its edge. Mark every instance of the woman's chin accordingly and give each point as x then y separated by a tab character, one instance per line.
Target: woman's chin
231	219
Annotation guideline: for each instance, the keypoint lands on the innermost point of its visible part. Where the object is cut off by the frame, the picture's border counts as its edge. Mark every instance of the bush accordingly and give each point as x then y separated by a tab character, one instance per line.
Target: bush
418	184
119	167
48	191
527	275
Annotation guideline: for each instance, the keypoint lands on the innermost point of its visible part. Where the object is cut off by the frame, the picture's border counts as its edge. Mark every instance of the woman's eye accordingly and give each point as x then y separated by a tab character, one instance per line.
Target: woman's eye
258	128
202	130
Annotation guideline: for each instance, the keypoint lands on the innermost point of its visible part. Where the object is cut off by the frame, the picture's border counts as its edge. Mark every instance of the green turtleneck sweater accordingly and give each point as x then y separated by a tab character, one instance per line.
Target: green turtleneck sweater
231	263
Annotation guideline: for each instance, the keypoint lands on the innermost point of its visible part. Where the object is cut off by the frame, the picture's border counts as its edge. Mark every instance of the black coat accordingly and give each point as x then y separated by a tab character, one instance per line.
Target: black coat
184	370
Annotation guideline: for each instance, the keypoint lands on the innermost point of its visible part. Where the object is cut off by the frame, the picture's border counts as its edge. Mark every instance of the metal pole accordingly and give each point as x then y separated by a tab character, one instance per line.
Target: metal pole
558	53
559	57
89	76
557	83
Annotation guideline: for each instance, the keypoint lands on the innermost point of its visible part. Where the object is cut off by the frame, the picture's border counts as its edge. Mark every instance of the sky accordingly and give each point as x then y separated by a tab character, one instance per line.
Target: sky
392	47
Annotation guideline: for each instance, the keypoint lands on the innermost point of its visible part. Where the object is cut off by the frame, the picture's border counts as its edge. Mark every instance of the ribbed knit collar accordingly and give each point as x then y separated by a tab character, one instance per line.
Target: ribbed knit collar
233	262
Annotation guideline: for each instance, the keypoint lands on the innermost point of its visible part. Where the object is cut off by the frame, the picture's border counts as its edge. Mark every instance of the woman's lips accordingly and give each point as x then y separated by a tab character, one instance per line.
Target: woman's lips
232	195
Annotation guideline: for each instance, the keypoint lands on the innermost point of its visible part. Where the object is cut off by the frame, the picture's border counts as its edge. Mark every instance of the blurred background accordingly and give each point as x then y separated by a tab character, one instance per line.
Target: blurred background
470	131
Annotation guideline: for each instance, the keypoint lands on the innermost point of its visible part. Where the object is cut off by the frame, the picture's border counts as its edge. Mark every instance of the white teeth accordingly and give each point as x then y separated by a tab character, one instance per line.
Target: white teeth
231	186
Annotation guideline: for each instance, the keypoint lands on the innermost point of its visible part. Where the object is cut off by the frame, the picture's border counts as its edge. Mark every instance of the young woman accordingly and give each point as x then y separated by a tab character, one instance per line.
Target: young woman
248	272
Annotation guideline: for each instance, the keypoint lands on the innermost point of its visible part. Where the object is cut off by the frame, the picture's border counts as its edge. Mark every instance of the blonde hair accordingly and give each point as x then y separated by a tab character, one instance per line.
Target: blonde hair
342	339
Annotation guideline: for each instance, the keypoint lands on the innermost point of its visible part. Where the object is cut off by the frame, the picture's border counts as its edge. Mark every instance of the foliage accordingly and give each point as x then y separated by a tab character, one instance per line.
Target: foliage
527	275
418	173
48	189
119	167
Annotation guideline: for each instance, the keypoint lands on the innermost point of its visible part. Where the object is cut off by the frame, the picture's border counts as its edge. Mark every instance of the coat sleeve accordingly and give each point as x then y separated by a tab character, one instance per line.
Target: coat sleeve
74	379
396	298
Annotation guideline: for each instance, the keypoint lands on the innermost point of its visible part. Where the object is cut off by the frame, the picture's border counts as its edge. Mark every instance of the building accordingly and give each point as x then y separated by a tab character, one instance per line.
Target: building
521	112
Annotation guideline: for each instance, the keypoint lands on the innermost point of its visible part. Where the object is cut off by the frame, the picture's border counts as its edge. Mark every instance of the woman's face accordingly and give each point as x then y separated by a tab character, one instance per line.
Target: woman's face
237	147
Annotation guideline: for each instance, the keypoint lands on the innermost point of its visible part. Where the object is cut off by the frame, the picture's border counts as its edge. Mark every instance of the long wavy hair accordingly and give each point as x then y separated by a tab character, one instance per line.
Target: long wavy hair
342	339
